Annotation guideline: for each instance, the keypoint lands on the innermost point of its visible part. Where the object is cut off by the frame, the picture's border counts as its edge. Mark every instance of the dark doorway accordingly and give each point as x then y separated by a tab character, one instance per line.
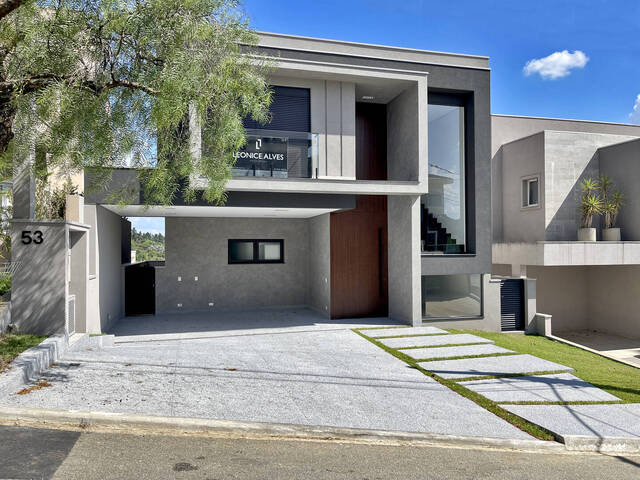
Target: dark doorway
140	289
359	282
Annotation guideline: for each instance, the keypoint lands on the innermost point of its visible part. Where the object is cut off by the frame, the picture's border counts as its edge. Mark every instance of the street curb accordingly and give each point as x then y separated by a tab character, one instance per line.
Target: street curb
585	443
148	424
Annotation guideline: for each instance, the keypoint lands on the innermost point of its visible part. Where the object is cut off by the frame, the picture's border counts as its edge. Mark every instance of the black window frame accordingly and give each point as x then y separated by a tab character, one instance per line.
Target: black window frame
256	251
464	99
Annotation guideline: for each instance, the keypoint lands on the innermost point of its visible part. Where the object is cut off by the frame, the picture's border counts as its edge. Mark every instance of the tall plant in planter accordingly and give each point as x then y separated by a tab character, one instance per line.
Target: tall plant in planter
590	205
610	208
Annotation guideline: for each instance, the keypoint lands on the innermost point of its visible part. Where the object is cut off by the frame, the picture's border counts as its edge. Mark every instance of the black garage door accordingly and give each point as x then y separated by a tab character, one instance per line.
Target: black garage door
140	289
512	304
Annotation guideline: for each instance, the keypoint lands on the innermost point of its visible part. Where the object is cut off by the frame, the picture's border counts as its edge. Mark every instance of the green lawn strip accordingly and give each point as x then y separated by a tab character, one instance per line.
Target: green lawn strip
524	425
613	377
464	357
13	345
439	346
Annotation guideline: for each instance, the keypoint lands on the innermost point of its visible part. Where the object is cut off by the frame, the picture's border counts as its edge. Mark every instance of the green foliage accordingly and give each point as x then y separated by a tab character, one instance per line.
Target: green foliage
5	284
148	246
13	345
611	204
109	83
51	202
590	203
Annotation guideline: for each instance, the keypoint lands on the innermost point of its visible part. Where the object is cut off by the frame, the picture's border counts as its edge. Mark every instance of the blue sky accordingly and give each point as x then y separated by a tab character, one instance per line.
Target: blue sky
147	224
510	32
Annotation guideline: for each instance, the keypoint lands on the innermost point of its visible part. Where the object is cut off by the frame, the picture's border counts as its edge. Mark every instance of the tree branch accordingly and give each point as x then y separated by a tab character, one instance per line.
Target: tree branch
8	6
35	82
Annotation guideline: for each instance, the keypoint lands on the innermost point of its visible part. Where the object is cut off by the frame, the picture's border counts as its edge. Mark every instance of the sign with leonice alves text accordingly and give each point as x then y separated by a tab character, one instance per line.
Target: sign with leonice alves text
262	156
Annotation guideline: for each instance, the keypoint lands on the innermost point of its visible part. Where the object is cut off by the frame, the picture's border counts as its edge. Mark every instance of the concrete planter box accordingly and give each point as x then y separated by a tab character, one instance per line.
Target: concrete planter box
586	234
611	234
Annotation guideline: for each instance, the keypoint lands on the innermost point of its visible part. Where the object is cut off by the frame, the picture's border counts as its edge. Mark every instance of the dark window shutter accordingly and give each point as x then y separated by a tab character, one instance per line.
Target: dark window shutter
290	111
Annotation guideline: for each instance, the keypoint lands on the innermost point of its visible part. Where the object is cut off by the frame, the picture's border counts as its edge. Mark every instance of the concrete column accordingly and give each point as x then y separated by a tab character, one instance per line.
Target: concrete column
405	268
24	190
530	304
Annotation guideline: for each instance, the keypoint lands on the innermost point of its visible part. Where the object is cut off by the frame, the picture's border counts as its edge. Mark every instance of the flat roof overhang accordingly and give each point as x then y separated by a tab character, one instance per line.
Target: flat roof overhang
216	212
567	254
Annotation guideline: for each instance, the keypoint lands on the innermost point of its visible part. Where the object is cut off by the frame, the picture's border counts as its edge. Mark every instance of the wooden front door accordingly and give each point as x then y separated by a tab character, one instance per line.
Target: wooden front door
359	259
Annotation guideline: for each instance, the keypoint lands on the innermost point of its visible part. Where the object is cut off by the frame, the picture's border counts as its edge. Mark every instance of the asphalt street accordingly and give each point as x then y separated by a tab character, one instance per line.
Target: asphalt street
27	453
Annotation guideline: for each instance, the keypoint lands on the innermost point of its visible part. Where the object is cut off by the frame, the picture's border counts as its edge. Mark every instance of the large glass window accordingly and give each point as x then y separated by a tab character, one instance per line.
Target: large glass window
443	208
451	296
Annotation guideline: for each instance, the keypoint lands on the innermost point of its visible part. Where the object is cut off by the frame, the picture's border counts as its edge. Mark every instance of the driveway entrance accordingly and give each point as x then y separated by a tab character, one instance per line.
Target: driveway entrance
293	368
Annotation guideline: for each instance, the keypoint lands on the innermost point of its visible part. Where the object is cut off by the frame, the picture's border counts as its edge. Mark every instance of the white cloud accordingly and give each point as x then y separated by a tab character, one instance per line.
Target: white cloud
556	65
635	115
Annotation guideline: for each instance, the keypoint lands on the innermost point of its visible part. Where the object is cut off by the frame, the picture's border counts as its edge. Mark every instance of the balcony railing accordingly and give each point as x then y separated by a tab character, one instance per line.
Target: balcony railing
278	154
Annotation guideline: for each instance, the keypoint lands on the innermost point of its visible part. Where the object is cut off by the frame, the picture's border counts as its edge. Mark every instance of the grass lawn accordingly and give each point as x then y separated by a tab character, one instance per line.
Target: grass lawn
12	345
616	378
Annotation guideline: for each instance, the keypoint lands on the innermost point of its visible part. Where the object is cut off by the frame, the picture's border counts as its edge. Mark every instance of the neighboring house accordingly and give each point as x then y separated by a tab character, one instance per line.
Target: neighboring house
368	194
538	167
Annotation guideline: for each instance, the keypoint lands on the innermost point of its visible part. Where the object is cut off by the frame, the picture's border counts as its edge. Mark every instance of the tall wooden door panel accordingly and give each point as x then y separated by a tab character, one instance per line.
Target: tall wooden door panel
359	260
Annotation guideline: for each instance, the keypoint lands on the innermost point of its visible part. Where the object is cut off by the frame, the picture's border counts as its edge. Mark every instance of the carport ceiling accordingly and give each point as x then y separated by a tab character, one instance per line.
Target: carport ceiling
224	212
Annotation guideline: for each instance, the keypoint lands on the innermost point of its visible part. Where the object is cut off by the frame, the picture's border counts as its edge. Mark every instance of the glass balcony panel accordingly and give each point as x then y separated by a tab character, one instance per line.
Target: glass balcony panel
277	154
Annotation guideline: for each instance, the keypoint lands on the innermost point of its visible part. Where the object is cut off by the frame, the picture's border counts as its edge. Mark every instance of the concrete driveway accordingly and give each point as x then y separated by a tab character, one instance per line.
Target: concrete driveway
311	374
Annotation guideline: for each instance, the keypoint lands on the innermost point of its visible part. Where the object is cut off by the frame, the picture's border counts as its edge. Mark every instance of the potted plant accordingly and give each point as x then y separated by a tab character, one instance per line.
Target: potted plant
611	233
590	205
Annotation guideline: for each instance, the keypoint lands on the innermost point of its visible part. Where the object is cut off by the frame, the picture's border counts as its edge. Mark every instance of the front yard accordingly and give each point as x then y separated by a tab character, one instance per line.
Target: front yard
13	345
615	378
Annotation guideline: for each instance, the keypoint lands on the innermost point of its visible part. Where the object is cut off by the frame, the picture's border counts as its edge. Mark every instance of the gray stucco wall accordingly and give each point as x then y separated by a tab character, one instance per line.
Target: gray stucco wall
570	157
38	290
319	295
507	128
614	300
402	137
199	247
622	163
105	284
522	158
451	79
563	292
403	215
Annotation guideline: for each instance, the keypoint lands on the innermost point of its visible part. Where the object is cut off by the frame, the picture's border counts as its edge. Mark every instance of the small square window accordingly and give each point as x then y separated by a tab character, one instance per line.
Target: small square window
256	251
530	192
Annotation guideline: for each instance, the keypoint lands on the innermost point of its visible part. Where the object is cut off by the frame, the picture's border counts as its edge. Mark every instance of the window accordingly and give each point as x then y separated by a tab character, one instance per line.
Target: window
451	296
445	224
256	251
530	192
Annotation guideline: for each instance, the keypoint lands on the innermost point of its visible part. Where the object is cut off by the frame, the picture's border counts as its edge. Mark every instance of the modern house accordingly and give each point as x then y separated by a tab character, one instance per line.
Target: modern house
367	195
538	166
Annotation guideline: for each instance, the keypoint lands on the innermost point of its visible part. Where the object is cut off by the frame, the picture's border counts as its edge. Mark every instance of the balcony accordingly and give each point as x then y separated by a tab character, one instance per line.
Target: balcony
277	154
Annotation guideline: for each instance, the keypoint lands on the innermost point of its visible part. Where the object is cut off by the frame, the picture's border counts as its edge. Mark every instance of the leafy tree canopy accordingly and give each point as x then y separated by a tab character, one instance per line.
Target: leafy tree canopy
108	83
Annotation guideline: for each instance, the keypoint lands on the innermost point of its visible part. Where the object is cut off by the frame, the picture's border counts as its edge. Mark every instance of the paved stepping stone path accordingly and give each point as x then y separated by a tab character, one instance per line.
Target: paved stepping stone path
599	421
504	365
559	387
396	332
605	425
459	351
432	340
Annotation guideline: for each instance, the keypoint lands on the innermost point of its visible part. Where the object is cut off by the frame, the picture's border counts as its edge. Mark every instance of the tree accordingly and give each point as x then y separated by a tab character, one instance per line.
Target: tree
107	83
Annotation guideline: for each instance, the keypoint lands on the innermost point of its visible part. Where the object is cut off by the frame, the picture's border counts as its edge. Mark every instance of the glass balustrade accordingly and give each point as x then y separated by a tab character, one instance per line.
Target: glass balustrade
277	154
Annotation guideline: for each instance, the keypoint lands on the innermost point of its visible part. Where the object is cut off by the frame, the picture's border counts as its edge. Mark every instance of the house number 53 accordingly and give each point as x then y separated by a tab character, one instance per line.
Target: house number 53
32	237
